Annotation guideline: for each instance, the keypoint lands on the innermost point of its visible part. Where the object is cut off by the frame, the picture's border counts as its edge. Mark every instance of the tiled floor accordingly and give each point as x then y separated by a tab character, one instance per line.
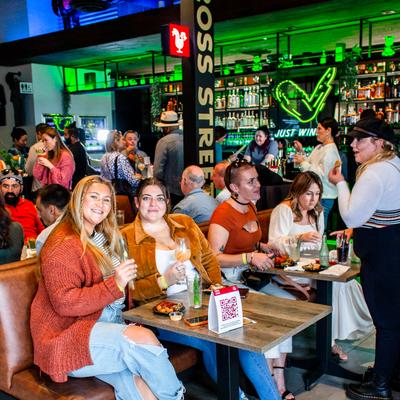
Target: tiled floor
361	355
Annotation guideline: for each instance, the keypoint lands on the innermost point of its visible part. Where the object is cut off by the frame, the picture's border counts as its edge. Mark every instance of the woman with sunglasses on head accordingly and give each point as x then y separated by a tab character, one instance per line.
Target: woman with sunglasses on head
76	322
151	242
235	235
299	221
372	208
57	164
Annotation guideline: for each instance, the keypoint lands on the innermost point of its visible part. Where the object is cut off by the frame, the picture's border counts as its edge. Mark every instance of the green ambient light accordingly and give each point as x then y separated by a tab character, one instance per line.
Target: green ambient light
322	60
297	103
388	51
238	69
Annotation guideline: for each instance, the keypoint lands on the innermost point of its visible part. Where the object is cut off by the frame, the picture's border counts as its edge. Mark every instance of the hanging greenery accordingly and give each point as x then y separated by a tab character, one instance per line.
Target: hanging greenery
155	100
66	99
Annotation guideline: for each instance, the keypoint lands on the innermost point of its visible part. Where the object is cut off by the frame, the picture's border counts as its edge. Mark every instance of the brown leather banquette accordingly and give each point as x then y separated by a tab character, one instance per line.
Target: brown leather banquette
18	376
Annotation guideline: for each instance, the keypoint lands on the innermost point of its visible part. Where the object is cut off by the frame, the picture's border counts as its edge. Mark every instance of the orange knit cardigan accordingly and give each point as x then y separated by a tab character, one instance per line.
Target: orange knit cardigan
70	298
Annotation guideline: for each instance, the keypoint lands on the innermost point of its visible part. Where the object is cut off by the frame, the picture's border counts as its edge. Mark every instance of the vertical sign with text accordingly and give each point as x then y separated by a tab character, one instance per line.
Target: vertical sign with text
198	85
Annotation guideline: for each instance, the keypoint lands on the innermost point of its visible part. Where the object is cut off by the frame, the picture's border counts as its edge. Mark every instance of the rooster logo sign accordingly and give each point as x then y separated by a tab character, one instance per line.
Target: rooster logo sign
180	38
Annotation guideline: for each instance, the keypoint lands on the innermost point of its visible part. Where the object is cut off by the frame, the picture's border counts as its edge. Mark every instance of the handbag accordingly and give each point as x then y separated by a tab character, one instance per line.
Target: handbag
304	293
121	186
255	279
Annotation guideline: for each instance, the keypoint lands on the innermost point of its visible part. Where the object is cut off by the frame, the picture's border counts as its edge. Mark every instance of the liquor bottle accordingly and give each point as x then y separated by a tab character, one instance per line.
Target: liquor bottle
324	253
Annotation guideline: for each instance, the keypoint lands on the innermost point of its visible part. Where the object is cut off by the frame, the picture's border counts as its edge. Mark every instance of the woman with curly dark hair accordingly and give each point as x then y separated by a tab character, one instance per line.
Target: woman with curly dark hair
11	237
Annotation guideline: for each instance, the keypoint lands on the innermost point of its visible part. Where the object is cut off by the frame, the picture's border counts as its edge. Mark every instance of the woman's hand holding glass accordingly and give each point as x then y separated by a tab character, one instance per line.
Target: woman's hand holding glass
125	272
175	274
312	236
45	162
261	261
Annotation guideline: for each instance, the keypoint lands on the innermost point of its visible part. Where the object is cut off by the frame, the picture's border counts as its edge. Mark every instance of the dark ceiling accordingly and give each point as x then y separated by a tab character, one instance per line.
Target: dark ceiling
304	27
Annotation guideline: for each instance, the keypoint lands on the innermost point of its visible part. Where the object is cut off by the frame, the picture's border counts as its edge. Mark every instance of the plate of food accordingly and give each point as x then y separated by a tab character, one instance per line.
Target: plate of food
284	261
313	267
165	307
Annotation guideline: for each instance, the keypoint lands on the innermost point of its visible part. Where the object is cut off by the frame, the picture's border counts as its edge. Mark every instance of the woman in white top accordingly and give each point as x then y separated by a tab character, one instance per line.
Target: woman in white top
373	210
321	161
300	217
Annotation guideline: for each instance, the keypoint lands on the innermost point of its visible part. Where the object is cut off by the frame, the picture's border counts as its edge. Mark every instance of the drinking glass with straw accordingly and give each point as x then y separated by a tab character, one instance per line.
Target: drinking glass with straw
124	257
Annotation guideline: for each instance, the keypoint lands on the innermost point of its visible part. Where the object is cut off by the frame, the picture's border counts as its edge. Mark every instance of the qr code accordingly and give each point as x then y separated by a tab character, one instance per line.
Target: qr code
229	308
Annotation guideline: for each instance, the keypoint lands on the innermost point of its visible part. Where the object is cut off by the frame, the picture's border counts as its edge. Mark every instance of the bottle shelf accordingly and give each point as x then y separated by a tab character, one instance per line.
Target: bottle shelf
381	100
228	109
172	94
374	75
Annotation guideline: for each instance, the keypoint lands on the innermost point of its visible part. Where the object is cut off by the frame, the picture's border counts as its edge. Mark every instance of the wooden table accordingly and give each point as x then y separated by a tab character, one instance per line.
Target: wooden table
276	320
324	363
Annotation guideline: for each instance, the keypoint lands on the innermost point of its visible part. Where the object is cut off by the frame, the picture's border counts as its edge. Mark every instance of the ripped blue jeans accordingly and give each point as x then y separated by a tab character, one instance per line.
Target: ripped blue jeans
116	359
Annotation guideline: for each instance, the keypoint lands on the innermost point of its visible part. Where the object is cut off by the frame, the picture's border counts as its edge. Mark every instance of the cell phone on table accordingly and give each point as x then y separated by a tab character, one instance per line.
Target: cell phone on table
196	321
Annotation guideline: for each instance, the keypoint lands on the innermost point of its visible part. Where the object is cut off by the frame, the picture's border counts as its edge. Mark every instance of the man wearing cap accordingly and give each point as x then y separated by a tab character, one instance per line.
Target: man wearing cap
372	209
197	204
21	210
168	158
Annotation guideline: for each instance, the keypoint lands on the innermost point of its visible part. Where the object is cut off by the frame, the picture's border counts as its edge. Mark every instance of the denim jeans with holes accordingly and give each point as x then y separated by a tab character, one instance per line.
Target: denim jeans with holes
116	359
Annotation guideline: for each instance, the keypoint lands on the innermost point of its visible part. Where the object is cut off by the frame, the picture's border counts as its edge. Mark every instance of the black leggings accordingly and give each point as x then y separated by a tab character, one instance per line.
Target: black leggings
379	251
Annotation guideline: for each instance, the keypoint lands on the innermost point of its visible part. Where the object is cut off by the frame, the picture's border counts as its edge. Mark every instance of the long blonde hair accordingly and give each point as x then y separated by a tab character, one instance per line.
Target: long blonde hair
388	152
74	216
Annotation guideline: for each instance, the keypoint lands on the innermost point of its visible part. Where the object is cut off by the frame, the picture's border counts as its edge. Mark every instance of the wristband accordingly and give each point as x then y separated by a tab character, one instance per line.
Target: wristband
164	284
244	258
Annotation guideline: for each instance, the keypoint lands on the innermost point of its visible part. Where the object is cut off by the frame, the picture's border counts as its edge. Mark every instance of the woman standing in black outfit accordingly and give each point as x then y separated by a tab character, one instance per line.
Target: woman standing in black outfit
373	209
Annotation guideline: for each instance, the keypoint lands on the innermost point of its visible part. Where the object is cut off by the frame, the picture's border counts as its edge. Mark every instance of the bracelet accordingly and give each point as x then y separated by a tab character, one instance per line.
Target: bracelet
244	258
164	284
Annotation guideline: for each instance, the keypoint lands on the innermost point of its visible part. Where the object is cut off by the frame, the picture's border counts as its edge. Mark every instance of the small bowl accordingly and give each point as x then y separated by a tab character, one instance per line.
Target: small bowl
175	315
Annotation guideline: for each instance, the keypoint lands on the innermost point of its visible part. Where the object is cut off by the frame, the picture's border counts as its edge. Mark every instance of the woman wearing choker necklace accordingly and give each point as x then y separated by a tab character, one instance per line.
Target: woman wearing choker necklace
235	235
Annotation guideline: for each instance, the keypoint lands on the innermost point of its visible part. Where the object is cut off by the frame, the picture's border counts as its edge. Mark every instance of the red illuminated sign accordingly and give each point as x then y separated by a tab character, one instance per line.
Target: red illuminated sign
175	40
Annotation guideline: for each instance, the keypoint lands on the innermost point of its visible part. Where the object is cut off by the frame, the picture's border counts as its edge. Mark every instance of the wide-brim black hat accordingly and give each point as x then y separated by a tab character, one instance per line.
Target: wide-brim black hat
372	127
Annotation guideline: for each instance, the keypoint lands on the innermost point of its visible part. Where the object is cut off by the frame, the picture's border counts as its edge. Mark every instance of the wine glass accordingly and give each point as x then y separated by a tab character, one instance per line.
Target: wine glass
124	257
182	249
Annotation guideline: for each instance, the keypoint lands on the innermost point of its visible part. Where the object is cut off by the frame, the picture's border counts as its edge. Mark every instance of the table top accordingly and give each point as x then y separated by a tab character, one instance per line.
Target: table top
347	276
276	320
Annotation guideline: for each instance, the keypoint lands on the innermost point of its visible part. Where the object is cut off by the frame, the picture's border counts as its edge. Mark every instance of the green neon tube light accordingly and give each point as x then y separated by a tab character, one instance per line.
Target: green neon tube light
290	96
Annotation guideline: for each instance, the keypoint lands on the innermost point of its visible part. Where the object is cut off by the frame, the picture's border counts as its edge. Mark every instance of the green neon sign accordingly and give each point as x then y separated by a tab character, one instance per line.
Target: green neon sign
301	105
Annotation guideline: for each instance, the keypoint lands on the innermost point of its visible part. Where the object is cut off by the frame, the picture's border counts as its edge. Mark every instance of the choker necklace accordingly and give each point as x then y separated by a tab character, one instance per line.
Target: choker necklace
239	202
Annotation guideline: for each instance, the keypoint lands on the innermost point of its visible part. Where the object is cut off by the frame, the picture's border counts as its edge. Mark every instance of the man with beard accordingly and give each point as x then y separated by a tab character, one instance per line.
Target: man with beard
21	210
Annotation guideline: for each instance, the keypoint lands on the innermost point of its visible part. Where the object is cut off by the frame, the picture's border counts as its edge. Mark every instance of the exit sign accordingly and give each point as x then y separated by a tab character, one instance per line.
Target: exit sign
175	40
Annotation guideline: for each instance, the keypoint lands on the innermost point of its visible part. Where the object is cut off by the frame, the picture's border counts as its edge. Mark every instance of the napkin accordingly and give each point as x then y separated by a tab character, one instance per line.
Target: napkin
336	270
294	268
